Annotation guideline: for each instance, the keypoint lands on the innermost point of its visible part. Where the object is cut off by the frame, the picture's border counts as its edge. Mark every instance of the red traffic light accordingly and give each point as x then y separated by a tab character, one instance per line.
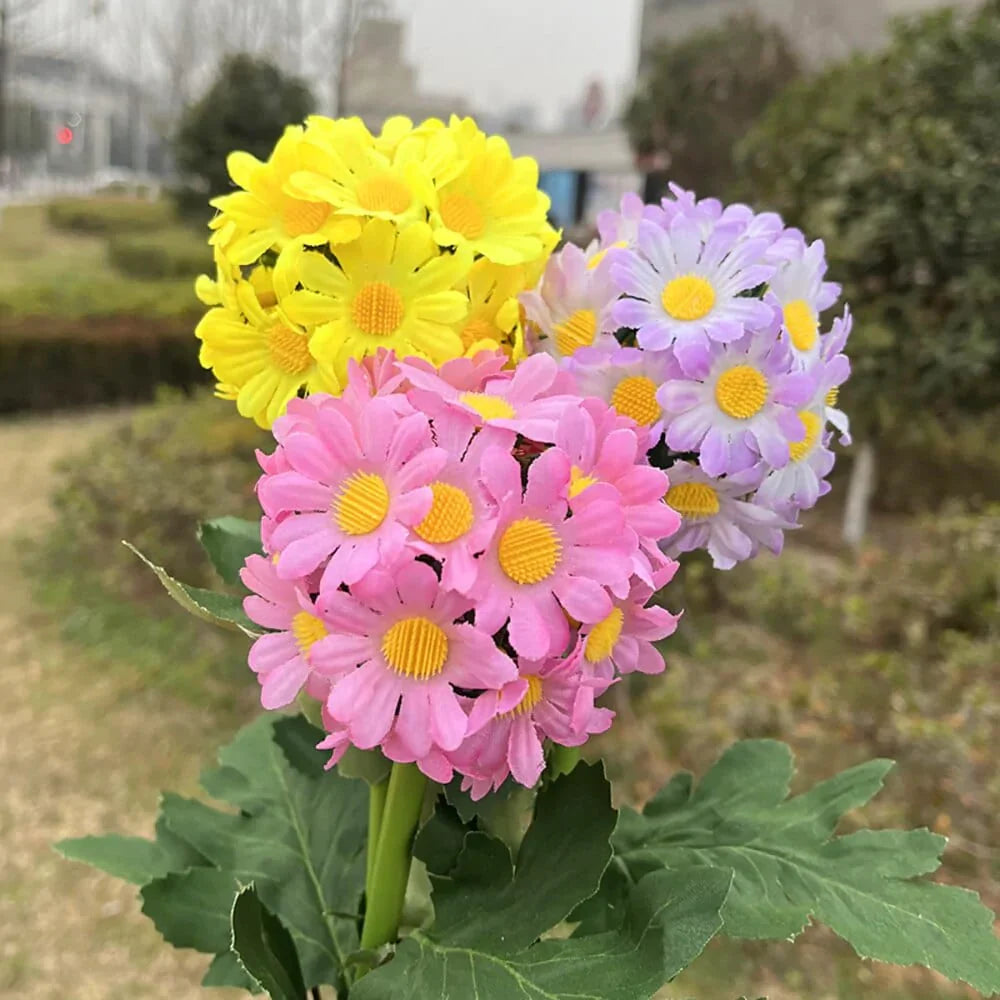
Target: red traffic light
64	135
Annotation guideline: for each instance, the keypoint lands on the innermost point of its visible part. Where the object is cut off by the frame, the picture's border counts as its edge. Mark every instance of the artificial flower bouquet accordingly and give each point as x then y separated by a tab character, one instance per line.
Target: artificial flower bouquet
489	456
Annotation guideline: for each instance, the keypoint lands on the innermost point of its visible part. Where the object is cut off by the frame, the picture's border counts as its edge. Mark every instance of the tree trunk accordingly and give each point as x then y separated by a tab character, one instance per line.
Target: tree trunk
859	495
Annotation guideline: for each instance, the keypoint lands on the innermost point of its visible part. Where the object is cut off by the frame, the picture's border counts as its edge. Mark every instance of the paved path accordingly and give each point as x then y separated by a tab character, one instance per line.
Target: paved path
79	752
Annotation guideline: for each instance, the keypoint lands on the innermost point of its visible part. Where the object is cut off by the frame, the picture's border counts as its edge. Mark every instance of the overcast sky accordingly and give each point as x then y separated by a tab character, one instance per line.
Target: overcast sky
504	52
498	53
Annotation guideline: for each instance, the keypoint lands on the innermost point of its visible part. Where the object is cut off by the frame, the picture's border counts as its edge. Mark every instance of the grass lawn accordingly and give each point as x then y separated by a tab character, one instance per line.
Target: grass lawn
86	745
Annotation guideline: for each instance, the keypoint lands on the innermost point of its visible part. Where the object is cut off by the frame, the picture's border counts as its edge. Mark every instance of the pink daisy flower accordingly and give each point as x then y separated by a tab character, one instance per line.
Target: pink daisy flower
571	309
353	493
375	375
528	400
465	374
737	402
552	699
400	649
716	516
603	450
286	656
624	640
462	519
539	559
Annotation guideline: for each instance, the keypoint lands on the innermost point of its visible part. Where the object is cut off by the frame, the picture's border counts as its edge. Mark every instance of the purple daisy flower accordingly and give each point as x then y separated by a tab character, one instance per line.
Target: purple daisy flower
716	516
686	288
737	404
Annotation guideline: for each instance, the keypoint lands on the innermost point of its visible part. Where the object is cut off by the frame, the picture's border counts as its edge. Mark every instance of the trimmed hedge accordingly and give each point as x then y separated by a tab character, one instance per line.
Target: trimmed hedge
173	253
104	216
52	362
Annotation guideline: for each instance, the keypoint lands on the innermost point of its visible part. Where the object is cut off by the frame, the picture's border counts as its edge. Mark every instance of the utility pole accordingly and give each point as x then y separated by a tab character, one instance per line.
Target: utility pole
345	33
4	28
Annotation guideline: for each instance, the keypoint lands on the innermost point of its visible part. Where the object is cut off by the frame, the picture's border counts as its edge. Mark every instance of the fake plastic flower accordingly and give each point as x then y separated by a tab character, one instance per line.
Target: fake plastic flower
261	356
684	291
352	493
571	308
401	524
716	516
285	658
401	652
737	404
551	699
418	239
799	292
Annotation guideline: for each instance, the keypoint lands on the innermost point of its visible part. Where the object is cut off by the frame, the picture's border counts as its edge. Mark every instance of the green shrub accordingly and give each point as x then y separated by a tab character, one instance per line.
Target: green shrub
172	253
108	215
66	297
150	481
892	158
49	363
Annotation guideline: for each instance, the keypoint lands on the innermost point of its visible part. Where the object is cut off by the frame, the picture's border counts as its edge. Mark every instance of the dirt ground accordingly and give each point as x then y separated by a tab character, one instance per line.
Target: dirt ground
80	753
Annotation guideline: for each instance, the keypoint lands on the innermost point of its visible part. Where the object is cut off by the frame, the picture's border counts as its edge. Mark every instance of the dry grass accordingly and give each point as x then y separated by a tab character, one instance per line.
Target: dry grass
80	751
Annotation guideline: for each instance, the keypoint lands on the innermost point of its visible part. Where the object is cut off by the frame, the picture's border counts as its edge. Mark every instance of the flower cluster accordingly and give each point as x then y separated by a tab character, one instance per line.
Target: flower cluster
702	323
458	563
418	240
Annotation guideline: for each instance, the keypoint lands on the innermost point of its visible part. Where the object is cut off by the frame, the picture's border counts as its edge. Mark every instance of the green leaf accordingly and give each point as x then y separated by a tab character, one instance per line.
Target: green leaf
491	914
190	909
225	970
265	948
671	917
300	837
219	609
228	541
133	859
789	867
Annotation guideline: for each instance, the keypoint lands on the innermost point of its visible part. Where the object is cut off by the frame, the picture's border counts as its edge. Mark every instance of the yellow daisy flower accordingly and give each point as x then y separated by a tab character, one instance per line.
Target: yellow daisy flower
494	317
260	358
361	176
267	214
392	289
493	205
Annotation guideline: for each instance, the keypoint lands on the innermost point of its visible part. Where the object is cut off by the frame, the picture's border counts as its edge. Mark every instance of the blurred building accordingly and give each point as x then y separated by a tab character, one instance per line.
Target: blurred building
820	30
71	117
379	81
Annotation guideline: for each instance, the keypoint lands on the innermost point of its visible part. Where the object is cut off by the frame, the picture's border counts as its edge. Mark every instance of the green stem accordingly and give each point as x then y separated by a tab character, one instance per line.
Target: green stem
562	760
376	806
391	869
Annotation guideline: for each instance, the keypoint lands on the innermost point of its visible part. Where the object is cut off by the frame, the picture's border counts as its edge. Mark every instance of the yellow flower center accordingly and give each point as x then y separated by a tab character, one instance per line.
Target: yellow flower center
377	309
688	297
450	515
802	324
300	217
595	261
308	630
576	332
604	636
488	407
635	397
578	482
693	500
813	425
461	214
833	396
289	350
479	329
741	392
531	697
384	193
361	504
529	550
416	647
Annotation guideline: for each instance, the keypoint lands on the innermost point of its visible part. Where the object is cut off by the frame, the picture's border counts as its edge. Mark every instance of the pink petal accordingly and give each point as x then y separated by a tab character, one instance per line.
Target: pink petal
448	723
584	599
280	686
525	752
272	651
548	479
